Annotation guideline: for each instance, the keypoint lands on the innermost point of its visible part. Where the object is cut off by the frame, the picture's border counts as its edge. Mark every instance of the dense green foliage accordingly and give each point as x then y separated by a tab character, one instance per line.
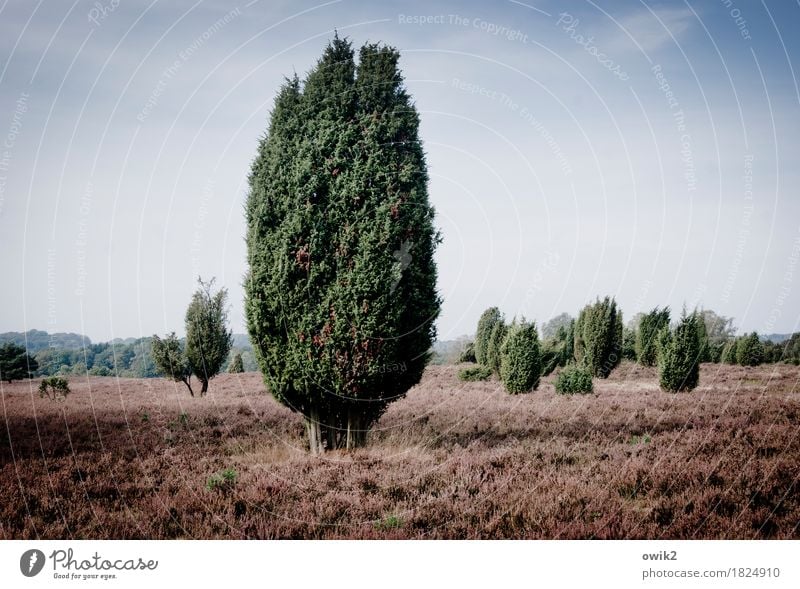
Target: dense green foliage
749	351
598	337
679	355
650	326
573	379
54	388
236	365
629	344
474	373
520	361
468	353
16	363
486	323
559	323
494	346
341	295
728	355
171	361
208	340
559	349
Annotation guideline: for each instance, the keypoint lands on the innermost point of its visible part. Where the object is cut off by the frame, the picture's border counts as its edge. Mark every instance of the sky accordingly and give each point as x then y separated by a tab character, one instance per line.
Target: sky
642	150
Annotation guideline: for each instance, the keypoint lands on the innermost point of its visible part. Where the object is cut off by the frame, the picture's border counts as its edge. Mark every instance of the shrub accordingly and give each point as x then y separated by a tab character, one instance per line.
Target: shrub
236	366
170	361
468	353
341	240
493	348
475	373
16	363
598	337
573	379
728	355
208	340
559	349
486	323
629	344
678	359
650	327
749	351
54	388
222	481
520	361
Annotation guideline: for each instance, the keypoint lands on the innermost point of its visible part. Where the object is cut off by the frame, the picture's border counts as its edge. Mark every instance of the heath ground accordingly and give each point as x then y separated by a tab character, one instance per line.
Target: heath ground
129	458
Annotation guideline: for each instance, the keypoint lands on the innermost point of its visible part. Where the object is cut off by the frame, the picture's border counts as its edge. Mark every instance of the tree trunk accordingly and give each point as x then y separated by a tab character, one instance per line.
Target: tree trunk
187	382
314	432
331	434
356	434
204	390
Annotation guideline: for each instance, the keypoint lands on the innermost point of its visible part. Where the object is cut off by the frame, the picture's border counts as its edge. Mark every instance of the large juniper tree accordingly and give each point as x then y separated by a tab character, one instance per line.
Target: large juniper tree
650	326
598	337
341	290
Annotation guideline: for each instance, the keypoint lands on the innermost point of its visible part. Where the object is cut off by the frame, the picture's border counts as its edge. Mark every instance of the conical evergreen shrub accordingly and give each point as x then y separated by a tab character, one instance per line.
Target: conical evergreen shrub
598	337
650	327
486	323
494	346
341	289
679	355
749	350
520	362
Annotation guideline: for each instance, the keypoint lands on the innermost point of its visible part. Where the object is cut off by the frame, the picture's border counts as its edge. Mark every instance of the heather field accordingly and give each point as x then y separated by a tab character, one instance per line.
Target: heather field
135	458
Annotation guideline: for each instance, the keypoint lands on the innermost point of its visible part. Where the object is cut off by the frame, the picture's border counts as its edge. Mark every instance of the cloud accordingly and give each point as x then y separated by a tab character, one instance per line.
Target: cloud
651	29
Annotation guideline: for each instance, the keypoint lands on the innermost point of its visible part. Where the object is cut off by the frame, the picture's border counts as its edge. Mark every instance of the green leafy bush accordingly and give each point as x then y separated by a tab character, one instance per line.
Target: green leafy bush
236	366
749	351
493	347
468	353
16	363
679	357
728	355
486	323
650	327
573	379
475	373
520	361
598	337
222	481
54	388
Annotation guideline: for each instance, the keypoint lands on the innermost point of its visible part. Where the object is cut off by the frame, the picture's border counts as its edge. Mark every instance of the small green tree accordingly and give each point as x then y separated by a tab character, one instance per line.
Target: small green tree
208	340
236	366
749	351
678	359
598	337
16	363
650	326
629	344
170	360
728	355
54	388
468	353
493	347
520	361
573	379
486	323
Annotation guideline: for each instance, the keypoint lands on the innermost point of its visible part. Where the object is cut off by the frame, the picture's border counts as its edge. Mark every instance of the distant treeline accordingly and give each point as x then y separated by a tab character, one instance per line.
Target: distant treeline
71	353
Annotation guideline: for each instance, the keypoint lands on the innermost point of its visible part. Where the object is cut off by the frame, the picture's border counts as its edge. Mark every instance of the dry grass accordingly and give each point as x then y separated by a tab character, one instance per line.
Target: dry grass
451	460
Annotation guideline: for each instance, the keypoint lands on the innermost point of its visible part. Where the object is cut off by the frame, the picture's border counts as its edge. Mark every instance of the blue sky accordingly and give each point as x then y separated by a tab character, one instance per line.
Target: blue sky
576	149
